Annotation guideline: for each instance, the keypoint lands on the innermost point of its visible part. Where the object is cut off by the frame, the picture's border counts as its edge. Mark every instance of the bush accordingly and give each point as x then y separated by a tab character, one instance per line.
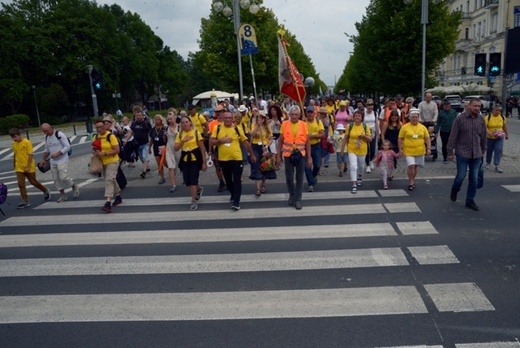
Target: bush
19	121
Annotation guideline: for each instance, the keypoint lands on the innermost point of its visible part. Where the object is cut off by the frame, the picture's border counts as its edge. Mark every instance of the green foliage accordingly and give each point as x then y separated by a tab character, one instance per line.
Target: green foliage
14	121
388	48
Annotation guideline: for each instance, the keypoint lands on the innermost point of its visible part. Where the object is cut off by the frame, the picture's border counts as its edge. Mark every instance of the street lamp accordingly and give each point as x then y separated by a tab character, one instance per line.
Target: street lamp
309	83
36	104
424	21
218	6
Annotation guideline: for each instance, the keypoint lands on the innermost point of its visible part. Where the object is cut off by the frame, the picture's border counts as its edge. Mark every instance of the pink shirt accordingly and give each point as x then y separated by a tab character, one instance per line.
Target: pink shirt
343	117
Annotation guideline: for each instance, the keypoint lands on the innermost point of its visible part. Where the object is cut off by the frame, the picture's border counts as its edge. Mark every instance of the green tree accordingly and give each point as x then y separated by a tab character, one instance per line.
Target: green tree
388	47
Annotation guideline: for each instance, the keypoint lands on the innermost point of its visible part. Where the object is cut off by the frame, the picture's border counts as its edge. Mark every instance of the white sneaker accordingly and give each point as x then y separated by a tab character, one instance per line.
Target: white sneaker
372	165
75	191
368	170
62	198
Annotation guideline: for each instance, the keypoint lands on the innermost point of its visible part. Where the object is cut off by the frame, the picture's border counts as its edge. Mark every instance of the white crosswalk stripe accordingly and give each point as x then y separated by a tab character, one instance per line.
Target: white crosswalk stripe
75	231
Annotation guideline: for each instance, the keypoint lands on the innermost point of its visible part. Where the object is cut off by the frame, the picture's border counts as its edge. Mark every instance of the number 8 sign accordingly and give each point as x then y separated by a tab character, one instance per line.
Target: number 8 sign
247	38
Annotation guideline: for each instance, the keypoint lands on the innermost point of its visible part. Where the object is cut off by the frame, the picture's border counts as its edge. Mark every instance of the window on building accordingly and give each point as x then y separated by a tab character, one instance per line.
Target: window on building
466	36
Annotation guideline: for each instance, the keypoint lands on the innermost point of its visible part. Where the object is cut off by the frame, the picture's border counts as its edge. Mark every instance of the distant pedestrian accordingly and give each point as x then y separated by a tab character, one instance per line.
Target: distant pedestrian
496	132
443	127
56	150
158	144
140	130
468	141
25	167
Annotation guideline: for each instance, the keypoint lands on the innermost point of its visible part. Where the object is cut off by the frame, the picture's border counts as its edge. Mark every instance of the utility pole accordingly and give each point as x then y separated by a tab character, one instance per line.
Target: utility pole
94	97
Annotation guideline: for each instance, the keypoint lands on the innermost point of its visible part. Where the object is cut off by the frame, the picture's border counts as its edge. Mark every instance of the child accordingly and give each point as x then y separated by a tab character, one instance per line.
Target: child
25	167
338	136
385	161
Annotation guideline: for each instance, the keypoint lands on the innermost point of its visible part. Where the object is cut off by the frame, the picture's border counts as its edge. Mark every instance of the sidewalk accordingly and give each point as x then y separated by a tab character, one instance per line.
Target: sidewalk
510	163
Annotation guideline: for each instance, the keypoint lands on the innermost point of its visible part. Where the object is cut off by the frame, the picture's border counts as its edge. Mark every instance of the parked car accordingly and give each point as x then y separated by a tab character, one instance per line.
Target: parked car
483	98
456	102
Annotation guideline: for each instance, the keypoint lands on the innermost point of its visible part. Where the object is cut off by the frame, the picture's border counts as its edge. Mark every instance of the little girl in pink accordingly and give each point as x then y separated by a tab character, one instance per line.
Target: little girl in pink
385	162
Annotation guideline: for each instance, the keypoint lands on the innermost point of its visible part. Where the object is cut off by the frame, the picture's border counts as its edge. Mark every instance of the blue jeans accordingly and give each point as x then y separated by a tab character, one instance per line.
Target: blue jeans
316	164
462	166
494	146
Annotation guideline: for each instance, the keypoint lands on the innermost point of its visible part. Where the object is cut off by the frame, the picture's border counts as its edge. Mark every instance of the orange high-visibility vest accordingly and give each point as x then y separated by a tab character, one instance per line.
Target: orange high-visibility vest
290	142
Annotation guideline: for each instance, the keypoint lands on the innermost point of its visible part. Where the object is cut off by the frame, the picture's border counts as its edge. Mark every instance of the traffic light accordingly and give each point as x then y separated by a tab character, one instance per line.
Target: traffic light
480	64
97	79
494	64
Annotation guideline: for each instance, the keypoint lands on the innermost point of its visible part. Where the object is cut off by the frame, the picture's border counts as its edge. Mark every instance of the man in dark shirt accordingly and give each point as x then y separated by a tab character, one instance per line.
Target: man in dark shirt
468	140
443	127
140	129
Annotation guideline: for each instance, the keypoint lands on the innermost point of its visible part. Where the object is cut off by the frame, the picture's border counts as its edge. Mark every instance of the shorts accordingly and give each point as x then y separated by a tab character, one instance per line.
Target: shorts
142	152
415	161
341	159
190	173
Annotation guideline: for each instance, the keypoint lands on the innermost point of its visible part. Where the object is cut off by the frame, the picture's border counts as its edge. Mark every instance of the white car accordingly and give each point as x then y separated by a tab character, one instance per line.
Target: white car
483	98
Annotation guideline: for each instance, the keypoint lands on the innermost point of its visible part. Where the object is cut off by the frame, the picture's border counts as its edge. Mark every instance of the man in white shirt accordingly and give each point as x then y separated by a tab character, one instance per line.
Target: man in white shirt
428	111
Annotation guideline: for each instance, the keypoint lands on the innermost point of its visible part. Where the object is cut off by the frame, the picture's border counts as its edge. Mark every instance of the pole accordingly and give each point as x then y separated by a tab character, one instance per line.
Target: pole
236	17
253	74
424	21
36	104
504	75
94	97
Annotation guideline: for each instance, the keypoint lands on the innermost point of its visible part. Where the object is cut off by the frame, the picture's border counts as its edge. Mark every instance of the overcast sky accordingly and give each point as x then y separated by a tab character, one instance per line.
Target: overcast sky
318	25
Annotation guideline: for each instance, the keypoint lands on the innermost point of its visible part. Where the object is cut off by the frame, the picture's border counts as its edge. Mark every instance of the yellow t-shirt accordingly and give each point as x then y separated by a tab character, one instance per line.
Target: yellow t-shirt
338	140
261	137
413	139
190	145
231	151
106	146
494	124
353	139
198	120
314	128
22	150
246	120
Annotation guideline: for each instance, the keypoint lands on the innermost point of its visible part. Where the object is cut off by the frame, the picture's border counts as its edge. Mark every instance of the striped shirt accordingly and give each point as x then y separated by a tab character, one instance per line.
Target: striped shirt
468	136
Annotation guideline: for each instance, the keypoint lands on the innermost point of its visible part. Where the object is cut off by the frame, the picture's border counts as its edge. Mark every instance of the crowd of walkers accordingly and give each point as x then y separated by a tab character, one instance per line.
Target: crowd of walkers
363	134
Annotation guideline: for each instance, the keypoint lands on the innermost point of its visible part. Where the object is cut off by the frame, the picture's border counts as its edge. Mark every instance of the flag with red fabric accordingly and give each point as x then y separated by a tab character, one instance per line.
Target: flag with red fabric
291	82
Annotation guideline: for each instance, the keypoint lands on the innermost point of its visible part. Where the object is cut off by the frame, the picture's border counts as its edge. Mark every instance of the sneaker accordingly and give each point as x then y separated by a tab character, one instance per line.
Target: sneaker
385	186
498	169
372	165
107	207
199	193
62	198
75	191
173	188
148	171
235	207
194	206
354	189
453	196
290	201
23	204
311	189
298	205
221	187
340	174
143	175
47	195
445	162
117	201
345	169
359	182
471	205
368	170
161	181
315	179
487	166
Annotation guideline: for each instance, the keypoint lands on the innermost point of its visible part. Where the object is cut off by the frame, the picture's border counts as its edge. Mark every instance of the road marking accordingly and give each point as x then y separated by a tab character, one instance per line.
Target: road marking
512	188
416	227
83	139
199	236
213	305
433	255
5	150
72	138
201	214
489	345
48	184
463	297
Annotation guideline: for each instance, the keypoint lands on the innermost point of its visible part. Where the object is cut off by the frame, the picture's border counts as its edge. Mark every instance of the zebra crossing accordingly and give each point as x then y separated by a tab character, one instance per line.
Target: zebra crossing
7	153
374	232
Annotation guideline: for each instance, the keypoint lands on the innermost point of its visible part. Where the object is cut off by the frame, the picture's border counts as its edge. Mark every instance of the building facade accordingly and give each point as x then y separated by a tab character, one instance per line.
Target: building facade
482	30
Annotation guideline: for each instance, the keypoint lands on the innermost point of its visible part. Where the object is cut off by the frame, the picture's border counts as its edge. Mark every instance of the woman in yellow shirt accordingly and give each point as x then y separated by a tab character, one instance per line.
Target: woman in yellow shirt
261	139
357	137
496	131
412	139
193	158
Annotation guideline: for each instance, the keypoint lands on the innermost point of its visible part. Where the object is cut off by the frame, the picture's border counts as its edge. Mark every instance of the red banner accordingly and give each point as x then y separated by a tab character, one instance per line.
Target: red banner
291	82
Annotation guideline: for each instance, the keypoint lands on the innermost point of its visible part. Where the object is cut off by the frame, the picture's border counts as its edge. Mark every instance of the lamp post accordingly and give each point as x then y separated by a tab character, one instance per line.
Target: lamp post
424	21
309	83
36	104
235	12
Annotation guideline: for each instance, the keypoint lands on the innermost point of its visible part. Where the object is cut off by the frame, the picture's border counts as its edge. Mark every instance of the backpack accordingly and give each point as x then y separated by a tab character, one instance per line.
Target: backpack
351	125
488	117
121	153
56	134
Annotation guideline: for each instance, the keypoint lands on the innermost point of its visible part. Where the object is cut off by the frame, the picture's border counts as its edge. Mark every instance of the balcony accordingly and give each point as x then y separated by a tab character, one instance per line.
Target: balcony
491	3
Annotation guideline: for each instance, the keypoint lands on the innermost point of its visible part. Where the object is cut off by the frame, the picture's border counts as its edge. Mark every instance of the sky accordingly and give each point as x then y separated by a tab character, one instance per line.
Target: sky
318	25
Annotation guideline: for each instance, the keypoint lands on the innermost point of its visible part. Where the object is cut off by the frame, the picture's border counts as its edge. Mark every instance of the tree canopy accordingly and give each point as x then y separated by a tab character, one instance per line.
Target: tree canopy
387	54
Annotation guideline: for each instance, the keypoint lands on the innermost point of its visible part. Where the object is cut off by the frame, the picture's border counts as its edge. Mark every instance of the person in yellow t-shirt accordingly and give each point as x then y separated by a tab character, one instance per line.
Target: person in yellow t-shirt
496	132
316	132
25	167
227	137
193	158
261	139
357	138
412	139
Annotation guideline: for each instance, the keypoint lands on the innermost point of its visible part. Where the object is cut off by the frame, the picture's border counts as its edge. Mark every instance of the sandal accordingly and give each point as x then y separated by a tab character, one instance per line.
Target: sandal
411	187
262	189
258	193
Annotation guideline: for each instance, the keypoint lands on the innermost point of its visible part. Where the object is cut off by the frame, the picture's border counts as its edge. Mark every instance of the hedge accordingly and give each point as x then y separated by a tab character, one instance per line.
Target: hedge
19	121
